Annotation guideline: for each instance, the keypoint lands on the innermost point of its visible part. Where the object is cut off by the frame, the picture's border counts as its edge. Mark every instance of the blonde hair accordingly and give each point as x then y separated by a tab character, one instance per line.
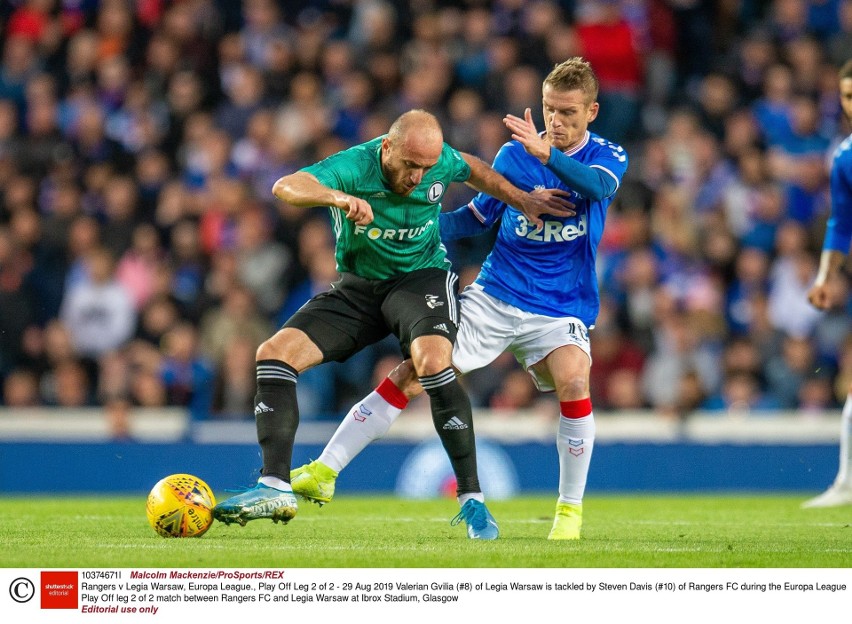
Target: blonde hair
574	74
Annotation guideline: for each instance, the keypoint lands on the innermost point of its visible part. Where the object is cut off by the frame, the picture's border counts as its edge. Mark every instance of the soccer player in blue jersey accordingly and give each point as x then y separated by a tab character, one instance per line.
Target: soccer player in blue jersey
536	295
835	248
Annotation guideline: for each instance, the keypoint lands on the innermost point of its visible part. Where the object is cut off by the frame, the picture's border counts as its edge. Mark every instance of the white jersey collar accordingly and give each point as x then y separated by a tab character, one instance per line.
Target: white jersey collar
580	146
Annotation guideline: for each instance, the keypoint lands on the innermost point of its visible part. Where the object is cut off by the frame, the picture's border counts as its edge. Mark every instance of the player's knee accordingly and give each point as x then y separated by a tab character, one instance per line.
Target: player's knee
430	356
431	352
430	363
573	387
275	347
266	351
290	346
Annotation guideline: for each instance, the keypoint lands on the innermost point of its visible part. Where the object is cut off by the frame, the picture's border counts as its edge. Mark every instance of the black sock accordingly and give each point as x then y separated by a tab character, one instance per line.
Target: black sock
276	414
453	420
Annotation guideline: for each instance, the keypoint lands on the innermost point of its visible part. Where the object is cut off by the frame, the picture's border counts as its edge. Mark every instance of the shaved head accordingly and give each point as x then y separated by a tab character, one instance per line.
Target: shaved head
412	146
416	123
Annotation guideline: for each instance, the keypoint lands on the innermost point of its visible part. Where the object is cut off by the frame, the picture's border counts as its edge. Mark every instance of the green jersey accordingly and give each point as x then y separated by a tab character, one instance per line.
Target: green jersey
404	235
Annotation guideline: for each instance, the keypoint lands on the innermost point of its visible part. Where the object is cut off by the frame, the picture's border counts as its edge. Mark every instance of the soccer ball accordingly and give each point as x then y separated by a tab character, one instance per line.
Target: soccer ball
180	505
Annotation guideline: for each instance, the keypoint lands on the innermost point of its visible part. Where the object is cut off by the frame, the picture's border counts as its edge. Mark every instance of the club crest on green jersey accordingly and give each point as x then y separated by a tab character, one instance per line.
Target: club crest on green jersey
436	191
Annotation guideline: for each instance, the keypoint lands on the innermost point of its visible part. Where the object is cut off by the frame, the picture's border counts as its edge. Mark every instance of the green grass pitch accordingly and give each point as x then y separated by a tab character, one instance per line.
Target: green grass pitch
386	532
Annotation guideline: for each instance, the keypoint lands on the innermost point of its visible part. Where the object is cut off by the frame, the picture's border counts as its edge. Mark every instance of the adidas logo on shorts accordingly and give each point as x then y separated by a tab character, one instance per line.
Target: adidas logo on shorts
442	327
454	424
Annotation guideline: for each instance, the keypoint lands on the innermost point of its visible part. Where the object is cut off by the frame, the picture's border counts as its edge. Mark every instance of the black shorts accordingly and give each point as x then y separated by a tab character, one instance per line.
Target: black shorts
358	312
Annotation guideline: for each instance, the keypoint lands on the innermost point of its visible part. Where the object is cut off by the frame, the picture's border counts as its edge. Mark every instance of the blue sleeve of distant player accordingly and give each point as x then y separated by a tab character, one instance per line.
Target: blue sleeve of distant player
594	183
838	232
481	213
460	223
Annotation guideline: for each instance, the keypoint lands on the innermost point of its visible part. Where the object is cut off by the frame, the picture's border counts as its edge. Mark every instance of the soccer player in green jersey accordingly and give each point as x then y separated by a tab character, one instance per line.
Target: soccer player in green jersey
384	198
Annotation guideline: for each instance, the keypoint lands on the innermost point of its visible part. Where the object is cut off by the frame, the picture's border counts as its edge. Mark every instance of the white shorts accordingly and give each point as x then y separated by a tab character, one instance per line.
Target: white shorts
489	326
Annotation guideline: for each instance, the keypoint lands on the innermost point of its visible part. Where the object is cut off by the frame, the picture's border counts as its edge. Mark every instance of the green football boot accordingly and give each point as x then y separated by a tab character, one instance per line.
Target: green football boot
567	523
314	482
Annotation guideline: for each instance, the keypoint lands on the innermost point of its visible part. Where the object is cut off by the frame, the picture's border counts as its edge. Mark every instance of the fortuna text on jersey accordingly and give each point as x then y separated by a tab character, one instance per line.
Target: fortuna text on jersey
375	233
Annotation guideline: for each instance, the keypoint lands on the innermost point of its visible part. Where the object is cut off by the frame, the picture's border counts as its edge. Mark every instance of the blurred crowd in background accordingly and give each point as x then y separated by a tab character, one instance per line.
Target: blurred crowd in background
143	257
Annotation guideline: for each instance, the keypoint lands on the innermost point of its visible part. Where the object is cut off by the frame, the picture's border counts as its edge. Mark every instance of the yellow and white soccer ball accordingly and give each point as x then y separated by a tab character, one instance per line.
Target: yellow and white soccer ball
180	505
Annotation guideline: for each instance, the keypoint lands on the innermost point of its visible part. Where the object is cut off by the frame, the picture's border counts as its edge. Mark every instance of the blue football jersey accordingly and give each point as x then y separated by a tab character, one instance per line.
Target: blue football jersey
550	271
838	233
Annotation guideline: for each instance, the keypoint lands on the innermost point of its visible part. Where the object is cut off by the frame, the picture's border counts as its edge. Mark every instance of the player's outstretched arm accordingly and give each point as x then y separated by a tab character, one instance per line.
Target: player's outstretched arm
820	294
303	190
590	182
542	201
461	223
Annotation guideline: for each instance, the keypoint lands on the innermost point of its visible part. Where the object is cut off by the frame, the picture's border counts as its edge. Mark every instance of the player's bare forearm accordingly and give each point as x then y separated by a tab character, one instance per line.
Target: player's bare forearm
303	190
541	201
485	179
